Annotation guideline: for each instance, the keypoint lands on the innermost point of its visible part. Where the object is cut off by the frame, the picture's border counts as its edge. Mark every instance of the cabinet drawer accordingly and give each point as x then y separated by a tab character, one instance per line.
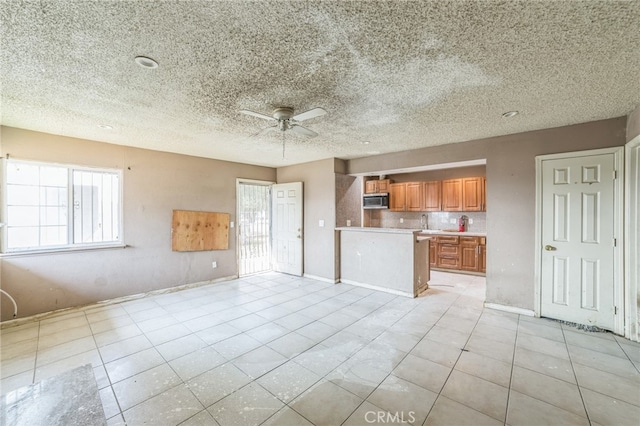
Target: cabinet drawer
448	250
469	240
448	239
483	241
449	262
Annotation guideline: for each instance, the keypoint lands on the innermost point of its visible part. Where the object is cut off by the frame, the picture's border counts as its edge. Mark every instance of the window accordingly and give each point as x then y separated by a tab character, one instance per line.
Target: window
49	206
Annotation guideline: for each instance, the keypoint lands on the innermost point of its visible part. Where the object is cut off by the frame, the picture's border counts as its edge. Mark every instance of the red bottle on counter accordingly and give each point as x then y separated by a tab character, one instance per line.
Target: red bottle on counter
461	224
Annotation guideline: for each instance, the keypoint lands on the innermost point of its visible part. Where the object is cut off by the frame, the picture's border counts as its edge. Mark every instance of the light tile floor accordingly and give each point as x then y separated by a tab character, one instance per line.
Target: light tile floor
279	350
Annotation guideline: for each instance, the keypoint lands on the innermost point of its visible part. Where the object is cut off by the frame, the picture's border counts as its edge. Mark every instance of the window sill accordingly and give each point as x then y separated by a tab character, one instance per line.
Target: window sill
63	250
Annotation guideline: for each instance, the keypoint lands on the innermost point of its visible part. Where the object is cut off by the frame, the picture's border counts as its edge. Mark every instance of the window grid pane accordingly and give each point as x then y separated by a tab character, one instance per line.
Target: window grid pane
38	211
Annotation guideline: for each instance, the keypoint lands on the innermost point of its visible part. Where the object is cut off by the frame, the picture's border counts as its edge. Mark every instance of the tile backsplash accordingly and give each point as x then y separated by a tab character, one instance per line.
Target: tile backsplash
435	220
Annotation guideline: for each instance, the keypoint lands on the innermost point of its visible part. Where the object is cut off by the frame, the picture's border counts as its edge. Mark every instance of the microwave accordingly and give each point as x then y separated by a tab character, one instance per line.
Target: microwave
375	201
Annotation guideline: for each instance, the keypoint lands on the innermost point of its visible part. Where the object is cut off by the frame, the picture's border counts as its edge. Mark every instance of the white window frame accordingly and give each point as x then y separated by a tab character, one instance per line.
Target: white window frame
71	246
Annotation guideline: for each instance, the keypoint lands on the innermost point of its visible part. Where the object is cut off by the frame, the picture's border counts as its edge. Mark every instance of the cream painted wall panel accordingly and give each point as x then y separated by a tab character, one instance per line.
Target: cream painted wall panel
155	184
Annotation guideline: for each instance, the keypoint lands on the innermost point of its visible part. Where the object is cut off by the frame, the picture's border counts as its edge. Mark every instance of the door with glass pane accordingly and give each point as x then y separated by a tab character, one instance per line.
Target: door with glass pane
254	227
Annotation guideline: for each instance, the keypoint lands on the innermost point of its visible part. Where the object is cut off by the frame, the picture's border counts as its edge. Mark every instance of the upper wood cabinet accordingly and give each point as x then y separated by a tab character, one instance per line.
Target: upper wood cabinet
432	201
406	197
472	199
415	194
452	195
464	195
397	197
377	186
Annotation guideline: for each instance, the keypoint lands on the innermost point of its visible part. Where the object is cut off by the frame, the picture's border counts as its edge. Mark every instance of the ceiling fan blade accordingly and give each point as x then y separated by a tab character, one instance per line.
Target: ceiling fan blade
303	131
312	113
256	114
264	130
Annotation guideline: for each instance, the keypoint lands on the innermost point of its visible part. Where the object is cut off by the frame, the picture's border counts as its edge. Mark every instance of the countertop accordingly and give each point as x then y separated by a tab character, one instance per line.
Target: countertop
427	232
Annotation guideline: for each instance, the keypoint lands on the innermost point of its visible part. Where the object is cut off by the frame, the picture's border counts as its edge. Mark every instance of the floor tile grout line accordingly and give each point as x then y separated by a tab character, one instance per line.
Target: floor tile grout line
513	365
457	359
575	376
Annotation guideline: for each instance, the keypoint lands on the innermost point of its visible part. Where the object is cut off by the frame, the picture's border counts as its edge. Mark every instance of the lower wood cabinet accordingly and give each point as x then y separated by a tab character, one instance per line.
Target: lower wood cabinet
470	254
459	253
448	252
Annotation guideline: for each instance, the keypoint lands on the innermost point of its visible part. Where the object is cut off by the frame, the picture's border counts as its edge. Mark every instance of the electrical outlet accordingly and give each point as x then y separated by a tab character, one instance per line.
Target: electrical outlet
453	221
348	222
214	264
470	221
231	225
401	220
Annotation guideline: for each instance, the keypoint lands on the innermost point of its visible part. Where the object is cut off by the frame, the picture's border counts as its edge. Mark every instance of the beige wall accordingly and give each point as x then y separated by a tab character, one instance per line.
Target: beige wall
319	186
510	193
155	183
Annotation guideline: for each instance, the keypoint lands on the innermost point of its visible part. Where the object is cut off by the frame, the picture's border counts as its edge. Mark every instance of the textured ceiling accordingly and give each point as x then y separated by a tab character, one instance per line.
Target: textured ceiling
399	75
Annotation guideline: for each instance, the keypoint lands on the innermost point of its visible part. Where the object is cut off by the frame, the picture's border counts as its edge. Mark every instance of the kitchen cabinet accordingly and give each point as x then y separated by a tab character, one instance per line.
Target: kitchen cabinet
414	194
452	195
482	267
462	253
406	197
469	253
432	199
464	195
377	186
448	252
397	197
472	200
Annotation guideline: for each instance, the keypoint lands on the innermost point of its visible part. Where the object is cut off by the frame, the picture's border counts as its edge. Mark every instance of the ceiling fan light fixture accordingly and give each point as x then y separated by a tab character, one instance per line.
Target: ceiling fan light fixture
510	114
146	62
105	126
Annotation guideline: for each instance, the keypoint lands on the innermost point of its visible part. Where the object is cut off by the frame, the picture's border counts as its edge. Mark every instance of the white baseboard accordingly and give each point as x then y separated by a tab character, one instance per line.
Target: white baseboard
511	309
324	280
64	311
375	287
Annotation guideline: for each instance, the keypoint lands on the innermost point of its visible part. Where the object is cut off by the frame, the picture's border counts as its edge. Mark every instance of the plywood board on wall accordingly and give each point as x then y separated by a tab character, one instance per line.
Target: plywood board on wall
199	231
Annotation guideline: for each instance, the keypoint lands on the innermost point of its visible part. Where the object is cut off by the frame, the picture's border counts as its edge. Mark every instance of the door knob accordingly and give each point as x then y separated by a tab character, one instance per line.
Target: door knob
549	248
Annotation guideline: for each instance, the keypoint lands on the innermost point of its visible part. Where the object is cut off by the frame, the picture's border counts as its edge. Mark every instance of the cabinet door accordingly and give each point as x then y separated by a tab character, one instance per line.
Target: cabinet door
383	185
472	194
469	253
432	197
371	187
414	196
452	195
397	197
482	249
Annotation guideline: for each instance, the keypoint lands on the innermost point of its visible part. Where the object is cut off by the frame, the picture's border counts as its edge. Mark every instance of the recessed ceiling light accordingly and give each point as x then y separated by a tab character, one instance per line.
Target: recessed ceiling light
365	142
510	114
146	62
105	126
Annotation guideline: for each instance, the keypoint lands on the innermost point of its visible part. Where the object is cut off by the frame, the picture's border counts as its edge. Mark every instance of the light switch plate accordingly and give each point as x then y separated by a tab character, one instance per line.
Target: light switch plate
231	224
321	223
401	220
348	222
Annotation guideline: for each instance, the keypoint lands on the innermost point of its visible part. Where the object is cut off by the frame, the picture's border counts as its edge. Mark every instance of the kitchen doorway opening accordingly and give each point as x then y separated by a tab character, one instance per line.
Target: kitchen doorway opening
254	226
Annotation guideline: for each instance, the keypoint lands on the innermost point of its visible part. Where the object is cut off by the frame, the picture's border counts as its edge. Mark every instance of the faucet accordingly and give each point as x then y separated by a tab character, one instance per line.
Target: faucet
424	222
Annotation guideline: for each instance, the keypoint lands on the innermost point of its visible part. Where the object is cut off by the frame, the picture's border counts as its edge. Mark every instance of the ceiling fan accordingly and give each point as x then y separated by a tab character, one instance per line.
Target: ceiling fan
283	120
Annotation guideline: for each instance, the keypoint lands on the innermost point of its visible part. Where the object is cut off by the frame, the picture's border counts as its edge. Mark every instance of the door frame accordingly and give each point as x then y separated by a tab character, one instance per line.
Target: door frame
632	241
239	181
618	251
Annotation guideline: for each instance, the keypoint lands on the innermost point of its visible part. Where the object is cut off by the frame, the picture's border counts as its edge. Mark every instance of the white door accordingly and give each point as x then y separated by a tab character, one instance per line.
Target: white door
577	253
287	227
